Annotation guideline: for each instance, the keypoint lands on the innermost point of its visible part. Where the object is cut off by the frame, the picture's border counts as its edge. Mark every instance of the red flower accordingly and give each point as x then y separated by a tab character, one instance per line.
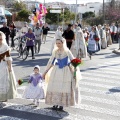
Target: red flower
96	39
20	82
75	62
112	33
86	39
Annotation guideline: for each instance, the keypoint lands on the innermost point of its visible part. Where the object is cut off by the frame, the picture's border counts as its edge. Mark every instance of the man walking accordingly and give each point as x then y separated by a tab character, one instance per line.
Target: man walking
6	31
45	29
69	36
38	33
113	29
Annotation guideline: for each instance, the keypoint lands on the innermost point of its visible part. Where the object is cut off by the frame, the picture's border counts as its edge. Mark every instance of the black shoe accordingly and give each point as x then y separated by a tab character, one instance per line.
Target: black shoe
55	107
60	108
90	57
33	57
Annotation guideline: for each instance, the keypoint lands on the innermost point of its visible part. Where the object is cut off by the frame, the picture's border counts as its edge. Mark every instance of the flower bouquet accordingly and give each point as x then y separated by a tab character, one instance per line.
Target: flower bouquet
86	39
112	33
96	38
75	62
20	81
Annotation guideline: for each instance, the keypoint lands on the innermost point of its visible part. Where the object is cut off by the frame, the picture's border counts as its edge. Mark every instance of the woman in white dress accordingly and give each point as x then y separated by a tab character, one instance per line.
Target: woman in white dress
81	49
102	34
108	36
62	89
93	45
7	77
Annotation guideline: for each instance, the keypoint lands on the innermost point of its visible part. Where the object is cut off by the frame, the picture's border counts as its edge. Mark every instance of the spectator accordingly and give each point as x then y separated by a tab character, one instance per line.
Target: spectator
45	29
113	29
30	37
5	29
38	33
24	29
12	34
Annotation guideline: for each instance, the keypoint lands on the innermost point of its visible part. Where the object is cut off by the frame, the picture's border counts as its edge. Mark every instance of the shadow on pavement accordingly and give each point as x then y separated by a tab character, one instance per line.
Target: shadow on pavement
31	63
32	113
111	56
95	68
114	90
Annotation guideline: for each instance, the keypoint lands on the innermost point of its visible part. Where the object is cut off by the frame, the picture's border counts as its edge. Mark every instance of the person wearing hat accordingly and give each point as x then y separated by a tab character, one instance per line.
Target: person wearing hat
35	89
69	35
5	29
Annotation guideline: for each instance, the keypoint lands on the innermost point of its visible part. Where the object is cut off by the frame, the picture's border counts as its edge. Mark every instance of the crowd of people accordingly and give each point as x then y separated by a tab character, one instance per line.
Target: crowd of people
85	42
35	36
62	87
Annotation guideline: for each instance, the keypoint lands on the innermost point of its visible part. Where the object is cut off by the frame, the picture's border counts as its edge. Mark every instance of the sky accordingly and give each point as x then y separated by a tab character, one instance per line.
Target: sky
72	1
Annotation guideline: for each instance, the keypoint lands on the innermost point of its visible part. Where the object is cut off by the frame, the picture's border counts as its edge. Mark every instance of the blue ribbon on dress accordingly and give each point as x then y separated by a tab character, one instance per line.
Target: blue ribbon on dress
61	62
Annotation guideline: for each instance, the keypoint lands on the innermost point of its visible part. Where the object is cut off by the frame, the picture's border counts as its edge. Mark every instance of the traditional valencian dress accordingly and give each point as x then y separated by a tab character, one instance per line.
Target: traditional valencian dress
78	47
93	45
35	89
81	48
62	89
7	79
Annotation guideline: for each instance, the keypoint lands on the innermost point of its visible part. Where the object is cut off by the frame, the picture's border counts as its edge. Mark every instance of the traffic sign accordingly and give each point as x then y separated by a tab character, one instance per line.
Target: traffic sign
55	11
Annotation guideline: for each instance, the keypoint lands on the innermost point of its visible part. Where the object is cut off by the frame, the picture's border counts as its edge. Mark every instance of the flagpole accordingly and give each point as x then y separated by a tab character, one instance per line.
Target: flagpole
44	16
76	12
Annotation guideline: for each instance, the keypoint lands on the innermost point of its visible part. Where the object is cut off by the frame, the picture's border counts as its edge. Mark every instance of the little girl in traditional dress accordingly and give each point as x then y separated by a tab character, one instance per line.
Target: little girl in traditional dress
35	89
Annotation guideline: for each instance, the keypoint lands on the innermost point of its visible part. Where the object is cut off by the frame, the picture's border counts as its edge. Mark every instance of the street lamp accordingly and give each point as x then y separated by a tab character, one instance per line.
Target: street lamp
44	15
76	12
103	11
63	19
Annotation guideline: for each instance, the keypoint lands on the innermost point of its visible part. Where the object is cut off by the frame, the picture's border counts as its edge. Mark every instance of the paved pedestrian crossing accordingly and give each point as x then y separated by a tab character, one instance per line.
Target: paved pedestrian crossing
100	93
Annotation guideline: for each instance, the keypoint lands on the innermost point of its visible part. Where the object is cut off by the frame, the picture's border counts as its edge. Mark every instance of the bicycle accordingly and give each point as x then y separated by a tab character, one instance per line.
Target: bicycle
22	49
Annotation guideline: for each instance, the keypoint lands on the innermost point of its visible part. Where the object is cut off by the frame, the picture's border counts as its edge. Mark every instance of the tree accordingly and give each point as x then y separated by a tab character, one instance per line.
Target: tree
57	18
52	17
112	11
23	15
88	15
18	6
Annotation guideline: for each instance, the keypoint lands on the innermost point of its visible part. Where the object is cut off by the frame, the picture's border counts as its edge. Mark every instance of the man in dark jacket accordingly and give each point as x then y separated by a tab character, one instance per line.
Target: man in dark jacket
6	31
69	36
45	29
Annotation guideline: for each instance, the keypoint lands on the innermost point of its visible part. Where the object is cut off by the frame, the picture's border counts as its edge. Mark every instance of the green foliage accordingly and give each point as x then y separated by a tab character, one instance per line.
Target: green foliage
18	6
88	15
55	18
95	20
23	15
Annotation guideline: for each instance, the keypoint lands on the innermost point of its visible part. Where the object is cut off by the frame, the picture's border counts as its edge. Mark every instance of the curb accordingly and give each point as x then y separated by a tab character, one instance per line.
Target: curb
116	51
